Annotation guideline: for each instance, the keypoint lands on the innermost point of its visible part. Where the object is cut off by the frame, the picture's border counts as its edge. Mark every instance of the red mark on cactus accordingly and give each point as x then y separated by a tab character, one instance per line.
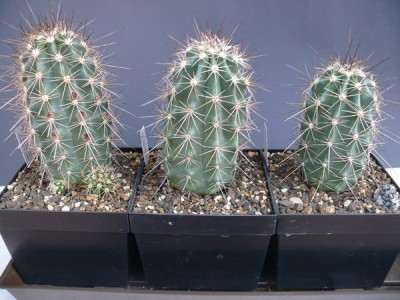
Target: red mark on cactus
50	115
73	95
106	116
82	115
99	96
86	136
54	135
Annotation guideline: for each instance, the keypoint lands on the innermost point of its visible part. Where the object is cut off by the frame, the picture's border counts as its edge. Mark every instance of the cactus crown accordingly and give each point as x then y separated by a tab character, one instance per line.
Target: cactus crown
206	115
340	125
65	117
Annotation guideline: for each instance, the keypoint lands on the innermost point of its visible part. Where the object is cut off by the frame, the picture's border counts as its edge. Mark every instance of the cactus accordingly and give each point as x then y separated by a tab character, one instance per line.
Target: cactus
102	181
339	128
66	114
206	115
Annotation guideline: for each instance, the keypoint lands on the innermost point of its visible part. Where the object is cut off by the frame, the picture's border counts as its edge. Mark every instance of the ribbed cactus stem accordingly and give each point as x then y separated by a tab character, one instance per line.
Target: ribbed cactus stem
67	115
206	115
340	124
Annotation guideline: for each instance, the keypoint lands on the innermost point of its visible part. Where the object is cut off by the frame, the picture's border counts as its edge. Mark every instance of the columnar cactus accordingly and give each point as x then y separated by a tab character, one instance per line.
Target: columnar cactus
66	114
339	128
207	113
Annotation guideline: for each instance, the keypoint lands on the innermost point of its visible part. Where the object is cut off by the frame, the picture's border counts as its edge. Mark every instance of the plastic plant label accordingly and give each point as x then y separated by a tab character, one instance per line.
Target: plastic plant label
266	142
145	145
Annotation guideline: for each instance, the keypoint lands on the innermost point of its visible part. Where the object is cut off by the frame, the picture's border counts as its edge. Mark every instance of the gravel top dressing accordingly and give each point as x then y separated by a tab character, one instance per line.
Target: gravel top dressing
374	193
26	192
246	195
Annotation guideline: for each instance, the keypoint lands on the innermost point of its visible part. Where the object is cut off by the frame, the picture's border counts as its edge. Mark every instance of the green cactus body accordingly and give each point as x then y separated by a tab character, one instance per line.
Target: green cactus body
68	117
206	116
337	133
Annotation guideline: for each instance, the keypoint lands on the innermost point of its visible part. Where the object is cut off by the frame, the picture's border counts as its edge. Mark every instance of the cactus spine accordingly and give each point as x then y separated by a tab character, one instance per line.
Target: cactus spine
67	118
207	113
338	131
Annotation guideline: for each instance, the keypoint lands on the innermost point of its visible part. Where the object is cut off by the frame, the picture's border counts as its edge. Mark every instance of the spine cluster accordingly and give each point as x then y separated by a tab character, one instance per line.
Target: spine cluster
206	115
340	124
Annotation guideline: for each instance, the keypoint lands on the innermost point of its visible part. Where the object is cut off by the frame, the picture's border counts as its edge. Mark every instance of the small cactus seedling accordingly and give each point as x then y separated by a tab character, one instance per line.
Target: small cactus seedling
64	106
102	181
340	125
206	115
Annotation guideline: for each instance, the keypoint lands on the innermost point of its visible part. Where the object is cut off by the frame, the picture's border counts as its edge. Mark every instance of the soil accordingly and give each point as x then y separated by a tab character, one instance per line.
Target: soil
246	195
28	193
294	196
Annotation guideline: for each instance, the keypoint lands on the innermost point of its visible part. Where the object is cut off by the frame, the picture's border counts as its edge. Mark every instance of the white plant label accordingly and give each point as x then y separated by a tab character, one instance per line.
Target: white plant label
145	145
266	142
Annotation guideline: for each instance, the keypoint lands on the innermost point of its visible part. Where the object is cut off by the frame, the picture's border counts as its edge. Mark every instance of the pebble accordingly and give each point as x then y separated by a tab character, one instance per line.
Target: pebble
217	198
286	203
330	209
347	203
295	200
50	207
298	207
65	208
308	210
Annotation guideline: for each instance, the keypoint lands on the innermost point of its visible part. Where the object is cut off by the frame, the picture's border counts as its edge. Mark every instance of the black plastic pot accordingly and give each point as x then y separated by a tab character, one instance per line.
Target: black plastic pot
335	251
202	252
68	248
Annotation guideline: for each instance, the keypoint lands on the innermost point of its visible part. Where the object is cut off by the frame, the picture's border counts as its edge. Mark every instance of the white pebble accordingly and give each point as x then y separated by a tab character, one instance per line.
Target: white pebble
162	197
258	213
126	187
77	204
347	203
61	204
284	190
217	198
65	208
49	207
295	200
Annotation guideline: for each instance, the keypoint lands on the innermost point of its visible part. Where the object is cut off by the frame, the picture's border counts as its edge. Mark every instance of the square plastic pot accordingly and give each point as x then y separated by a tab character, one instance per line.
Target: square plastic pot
335	251
202	252
87	249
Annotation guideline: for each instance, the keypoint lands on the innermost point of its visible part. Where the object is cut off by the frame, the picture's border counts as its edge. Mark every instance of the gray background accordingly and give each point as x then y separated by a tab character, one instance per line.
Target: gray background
279	30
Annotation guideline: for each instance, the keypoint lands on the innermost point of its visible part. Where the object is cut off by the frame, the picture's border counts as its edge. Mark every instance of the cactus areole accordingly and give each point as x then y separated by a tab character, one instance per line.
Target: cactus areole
67	119
207	114
339	126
